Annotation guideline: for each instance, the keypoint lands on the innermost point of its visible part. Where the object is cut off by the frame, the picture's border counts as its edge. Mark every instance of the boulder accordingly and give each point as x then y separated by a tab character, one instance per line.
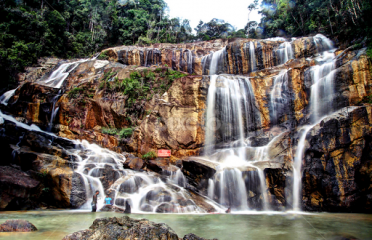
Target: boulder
17	226
192	236
17	187
126	228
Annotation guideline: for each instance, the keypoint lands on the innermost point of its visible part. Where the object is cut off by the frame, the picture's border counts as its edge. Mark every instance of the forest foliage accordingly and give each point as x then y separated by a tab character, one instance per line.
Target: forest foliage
342	20
79	28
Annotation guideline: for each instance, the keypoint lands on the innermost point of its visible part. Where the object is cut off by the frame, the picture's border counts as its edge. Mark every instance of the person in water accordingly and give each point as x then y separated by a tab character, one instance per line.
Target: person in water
108	200
94	202
127	207
228	210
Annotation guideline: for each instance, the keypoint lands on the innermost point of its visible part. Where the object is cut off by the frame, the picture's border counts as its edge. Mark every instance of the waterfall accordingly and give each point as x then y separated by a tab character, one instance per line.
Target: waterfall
189	61
230	100
322	43
277	98
210	188
216	61
232	189
252	57
4	99
178	178
210	117
322	90
297	169
285	52
58	76
263	189
54	111
321	101
147	53
231	105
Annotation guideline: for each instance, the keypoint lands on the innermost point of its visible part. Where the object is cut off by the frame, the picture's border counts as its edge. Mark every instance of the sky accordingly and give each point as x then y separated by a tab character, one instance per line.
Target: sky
234	12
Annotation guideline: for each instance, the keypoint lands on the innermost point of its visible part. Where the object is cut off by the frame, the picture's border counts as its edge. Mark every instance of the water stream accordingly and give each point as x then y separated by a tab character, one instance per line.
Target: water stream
54	225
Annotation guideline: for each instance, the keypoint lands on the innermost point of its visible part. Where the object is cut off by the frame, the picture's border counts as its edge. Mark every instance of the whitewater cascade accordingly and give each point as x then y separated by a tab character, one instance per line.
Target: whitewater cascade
145	191
4	99
285	52
321	103
277	98
252	57
58	76
231	118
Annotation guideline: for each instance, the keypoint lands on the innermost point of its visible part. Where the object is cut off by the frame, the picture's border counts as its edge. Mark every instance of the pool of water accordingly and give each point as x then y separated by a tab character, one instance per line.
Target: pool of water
57	224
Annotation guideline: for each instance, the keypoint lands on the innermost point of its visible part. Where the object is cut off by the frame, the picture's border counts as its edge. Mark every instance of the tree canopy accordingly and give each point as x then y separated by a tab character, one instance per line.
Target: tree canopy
343	20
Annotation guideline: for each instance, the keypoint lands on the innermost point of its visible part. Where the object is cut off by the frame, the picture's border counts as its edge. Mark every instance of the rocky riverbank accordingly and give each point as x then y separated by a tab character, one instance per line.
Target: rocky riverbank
128	228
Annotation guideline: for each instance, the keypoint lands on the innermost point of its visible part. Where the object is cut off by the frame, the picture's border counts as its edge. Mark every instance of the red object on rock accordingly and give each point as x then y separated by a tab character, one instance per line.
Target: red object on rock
164	153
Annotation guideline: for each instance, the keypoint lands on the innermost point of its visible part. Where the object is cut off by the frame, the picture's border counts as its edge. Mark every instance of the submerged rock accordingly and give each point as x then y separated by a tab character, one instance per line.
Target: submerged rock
17	226
127	228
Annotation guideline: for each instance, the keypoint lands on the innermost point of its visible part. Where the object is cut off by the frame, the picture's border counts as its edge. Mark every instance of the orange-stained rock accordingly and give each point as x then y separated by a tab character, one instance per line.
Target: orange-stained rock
174	121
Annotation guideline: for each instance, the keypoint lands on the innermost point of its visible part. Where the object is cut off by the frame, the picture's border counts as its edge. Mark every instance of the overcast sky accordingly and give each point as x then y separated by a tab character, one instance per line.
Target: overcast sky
234	12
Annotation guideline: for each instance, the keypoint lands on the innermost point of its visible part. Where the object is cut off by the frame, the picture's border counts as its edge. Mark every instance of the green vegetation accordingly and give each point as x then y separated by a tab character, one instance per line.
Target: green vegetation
344	20
123	133
216	29
31	29
103	56
367	99
81	92
141	85
149	155
110	131
126	132
74	92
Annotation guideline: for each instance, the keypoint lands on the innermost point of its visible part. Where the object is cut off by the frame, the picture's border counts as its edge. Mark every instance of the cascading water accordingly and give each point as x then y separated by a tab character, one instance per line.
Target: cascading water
145	191
252	56
321	101
322	90
58	76
297	171
285	52
4	99
216	62
189	61
277	98
54	111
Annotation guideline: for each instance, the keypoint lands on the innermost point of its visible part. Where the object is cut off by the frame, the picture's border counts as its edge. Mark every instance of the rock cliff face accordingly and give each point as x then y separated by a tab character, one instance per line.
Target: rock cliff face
166	107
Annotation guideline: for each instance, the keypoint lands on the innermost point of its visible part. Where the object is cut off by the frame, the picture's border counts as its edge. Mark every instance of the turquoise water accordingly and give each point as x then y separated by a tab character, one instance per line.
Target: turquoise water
57	224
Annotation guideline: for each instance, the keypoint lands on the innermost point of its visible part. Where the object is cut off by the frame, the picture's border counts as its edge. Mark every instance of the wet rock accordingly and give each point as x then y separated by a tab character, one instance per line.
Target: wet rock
16	188
110	208
120	201
198	171
126	228
337	163
17	226
192	236
146	208
127	207
164	208
134	163
78	191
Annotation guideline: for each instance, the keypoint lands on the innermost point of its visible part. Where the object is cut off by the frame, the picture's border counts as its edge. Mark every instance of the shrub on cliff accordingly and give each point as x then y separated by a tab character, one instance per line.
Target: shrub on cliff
149	156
